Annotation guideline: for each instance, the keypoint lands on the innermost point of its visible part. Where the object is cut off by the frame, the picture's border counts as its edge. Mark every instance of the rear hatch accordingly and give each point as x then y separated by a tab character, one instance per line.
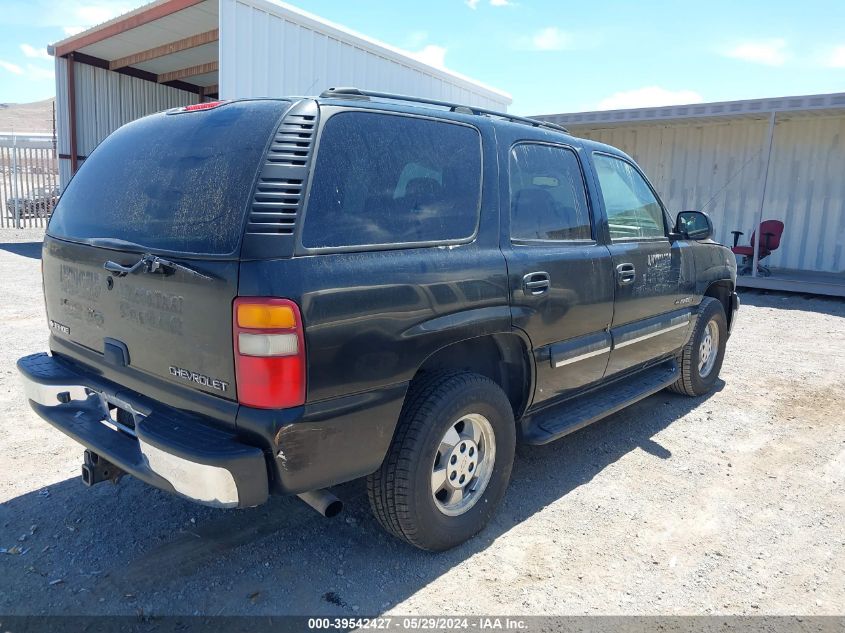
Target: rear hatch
141	255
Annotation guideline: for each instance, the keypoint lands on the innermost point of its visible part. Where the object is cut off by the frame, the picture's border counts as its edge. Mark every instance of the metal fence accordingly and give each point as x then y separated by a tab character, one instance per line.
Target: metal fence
29	179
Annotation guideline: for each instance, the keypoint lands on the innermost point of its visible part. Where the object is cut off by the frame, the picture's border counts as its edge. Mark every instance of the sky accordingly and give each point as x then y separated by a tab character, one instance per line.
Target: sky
551	56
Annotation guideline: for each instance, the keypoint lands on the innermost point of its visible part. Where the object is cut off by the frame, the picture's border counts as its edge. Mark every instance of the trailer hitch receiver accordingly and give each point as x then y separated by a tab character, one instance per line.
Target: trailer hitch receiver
96	469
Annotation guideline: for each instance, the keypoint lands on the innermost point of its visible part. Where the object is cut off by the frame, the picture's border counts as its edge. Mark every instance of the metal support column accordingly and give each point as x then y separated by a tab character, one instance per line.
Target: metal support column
71	107
758	238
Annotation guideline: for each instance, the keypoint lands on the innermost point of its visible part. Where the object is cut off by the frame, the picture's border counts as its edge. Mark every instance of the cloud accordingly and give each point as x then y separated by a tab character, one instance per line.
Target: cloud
36	73
836	58
416	39
97	13
647	97
432	55
31	72
10	67
72	17
37	53
473	4
768	52
550	38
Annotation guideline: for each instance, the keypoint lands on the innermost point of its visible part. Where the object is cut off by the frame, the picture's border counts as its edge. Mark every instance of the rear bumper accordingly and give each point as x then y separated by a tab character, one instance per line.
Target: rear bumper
169	449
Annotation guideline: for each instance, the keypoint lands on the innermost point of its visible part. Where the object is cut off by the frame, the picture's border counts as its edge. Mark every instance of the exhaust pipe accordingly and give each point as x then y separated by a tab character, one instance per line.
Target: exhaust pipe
323	502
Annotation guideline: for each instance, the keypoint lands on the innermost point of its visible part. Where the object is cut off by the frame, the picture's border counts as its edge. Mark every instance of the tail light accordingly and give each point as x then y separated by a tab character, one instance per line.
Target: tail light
269	353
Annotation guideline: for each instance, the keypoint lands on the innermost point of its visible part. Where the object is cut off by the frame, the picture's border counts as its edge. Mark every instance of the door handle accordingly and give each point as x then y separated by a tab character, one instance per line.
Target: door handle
536	283
625	274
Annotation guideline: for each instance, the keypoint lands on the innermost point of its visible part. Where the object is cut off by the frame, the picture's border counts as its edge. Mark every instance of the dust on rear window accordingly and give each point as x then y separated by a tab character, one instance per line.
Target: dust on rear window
177	182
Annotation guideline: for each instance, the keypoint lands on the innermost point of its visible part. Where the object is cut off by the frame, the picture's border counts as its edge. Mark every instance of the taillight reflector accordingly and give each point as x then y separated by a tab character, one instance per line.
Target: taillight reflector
269	352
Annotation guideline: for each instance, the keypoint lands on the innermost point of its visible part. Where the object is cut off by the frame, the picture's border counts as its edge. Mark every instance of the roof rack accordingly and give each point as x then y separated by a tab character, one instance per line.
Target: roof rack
357	93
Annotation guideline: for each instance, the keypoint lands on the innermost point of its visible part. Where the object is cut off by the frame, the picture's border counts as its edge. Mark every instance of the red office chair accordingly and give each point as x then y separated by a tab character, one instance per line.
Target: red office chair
772	231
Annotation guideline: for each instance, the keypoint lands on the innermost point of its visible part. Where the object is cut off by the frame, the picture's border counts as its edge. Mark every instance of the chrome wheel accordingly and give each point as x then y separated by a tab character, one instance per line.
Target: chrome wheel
463	464
708	350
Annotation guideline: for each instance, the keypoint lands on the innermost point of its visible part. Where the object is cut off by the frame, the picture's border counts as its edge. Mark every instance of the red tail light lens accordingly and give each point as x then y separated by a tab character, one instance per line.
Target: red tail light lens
269	352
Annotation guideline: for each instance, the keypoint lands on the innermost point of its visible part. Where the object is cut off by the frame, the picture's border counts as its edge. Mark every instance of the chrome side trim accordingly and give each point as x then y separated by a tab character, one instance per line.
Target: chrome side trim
575	359
651	335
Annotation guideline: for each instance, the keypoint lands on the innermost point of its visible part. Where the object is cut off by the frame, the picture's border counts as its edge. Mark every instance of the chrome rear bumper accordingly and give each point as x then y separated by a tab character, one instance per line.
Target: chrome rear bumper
169	449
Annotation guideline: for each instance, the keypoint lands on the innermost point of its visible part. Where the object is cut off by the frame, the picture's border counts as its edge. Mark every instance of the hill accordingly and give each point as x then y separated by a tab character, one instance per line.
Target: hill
27	117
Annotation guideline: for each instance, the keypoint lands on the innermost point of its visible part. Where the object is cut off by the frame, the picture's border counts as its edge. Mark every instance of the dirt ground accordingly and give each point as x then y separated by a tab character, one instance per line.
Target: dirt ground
729	504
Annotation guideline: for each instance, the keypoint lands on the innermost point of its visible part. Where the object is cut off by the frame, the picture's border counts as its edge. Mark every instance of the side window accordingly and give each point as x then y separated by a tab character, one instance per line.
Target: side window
548	200
386	179
632	210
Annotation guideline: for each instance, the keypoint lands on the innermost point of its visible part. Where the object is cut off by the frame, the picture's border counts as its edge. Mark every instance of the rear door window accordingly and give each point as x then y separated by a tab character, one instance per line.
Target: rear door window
173	182
383	179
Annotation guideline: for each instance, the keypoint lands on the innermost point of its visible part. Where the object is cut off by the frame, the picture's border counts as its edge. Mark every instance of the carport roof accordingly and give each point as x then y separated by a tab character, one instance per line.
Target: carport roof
173	42
805	105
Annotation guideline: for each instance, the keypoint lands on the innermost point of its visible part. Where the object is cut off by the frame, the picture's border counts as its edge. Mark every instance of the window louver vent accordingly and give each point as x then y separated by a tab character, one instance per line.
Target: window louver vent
281	186
293	141
275	206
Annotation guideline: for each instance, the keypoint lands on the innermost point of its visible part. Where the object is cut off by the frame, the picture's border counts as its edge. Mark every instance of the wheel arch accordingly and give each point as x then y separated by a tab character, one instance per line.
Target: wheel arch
722	289
502	357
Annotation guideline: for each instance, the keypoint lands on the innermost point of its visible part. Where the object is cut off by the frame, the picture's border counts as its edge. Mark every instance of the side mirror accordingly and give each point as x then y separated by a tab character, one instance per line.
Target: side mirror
694	225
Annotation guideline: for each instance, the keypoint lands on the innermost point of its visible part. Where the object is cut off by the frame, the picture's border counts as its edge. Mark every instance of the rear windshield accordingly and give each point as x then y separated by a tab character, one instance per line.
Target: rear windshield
175	182
382	179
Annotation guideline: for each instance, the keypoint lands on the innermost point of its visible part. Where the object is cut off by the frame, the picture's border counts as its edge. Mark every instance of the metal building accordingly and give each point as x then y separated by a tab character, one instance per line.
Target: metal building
745	162
177	52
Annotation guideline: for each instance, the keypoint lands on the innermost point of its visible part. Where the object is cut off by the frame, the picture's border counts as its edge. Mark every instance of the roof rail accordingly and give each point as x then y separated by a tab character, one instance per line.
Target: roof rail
357	93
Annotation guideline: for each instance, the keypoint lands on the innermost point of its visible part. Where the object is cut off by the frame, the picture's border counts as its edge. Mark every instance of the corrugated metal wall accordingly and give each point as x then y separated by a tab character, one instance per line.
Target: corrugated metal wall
690	163
265	51
105	101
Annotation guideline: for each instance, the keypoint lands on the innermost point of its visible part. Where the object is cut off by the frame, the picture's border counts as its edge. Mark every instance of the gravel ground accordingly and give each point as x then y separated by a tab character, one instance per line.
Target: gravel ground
729	504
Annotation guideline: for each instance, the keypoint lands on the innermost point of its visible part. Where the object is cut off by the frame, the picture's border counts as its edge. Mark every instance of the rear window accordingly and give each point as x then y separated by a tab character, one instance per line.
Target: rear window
384	179
175	182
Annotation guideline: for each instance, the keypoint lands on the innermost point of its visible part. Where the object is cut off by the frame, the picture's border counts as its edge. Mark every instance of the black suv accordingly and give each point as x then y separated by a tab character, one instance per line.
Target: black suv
274	296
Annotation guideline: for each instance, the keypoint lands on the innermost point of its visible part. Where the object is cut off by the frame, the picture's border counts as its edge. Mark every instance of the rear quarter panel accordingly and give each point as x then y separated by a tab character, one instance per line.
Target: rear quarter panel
372	317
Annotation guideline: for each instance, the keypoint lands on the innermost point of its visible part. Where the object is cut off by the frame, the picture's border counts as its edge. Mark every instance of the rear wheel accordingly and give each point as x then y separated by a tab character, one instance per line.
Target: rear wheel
701	358
449	463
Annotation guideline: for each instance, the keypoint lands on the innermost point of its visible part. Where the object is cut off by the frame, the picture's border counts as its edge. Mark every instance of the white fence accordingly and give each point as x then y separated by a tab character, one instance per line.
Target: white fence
29	179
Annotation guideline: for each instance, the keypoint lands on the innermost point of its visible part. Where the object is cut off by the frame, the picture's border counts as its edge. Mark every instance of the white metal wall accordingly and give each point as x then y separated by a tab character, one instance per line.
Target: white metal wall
267	50
690	163
104	101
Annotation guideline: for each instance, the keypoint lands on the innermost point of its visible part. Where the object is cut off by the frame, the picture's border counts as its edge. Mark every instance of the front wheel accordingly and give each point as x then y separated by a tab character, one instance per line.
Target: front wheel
449	463
701	358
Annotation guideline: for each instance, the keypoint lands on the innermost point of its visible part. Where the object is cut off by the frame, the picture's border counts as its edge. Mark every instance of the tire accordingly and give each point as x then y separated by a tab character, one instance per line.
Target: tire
693	380
402	492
